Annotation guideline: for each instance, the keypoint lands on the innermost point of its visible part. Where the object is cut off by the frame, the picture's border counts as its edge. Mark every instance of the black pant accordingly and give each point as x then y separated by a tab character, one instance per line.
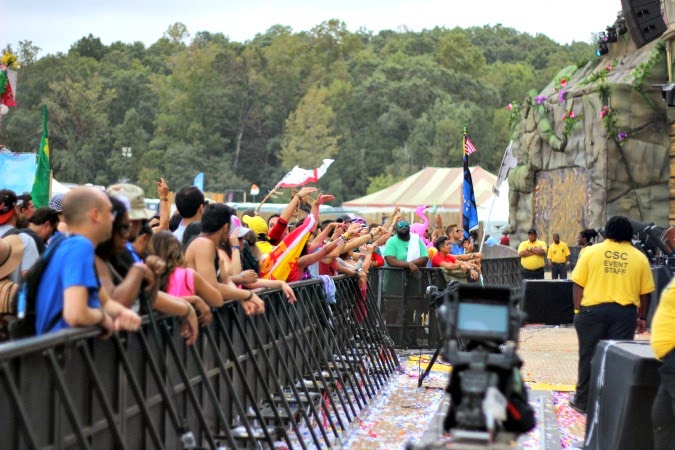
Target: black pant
596	323
663	410
532	274
558	271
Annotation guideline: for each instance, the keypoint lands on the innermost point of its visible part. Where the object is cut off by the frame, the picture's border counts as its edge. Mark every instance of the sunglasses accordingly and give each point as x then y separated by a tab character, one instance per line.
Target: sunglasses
402	224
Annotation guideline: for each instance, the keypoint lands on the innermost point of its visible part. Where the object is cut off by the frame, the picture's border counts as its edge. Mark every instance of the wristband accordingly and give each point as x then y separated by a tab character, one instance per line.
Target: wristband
190	309
235	247
250	296
576	311
164	199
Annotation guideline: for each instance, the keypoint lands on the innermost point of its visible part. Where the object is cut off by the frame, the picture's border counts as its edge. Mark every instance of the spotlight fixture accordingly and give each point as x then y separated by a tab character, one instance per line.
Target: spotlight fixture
603	49
611	34
620	24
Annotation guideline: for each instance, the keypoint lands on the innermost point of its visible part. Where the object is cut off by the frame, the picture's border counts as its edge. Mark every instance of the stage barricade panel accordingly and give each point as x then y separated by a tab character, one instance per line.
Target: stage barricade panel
624	381
548	301
147	389
400	297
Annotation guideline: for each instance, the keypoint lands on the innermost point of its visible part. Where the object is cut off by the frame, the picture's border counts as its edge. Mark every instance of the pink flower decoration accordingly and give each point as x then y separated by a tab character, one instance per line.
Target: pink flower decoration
564	116
509	107
603	113
571	115
563	82
608	68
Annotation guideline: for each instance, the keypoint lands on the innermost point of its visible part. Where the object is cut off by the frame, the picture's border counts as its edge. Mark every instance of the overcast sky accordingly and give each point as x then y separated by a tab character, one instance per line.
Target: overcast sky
55	25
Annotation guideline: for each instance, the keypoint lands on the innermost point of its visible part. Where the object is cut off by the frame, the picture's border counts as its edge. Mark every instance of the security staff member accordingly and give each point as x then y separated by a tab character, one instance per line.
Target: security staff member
531	254
663	344
558	253
612	285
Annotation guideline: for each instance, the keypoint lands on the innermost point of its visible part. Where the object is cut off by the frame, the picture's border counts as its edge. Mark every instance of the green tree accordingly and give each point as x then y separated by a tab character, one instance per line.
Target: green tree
310	136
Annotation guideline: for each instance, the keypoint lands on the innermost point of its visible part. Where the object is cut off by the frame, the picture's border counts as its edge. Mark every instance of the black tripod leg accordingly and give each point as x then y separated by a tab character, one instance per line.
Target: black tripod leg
430	365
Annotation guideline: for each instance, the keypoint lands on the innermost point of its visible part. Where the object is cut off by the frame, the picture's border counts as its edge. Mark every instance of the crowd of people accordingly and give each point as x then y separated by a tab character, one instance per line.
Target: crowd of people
102	258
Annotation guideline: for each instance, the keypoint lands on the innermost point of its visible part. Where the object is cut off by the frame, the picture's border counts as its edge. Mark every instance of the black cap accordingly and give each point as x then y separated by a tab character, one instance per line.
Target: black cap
531	230
344	218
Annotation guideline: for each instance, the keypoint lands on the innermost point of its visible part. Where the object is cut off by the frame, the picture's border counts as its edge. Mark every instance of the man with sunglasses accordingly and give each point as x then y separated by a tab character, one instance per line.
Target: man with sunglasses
405	250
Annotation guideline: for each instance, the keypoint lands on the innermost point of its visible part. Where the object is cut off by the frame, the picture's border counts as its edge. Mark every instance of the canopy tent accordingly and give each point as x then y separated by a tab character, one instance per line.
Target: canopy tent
438	186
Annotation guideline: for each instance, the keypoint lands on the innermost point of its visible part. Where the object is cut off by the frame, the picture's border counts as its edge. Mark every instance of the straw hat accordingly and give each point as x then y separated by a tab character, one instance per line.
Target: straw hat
7	293
11	252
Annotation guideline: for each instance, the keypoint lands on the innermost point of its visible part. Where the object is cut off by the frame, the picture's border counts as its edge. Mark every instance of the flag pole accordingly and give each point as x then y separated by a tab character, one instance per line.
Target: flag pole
267	197
495	190
461	191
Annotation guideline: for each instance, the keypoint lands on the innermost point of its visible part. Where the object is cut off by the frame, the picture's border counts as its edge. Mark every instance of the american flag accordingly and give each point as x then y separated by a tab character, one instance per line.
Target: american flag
468	146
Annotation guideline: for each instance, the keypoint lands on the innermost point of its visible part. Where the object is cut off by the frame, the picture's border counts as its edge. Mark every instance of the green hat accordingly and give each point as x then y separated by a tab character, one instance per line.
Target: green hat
134	197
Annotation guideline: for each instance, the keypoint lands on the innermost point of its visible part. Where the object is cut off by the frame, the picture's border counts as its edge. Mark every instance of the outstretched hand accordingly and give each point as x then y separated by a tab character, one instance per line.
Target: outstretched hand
325	198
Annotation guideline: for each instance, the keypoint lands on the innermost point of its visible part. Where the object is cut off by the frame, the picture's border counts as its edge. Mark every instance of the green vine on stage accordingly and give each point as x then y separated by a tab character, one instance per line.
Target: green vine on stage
514	115
571	121
608	116
641	72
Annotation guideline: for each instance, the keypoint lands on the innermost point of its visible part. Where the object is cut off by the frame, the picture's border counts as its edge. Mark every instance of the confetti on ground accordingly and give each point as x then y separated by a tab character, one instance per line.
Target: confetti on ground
402	414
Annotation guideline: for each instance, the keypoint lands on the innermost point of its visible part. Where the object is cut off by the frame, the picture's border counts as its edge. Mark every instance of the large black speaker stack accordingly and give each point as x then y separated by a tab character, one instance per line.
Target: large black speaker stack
644	20
624	381
548	301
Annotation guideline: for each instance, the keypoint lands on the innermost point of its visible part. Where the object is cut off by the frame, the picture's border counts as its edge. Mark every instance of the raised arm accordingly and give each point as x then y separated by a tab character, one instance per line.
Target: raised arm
164	205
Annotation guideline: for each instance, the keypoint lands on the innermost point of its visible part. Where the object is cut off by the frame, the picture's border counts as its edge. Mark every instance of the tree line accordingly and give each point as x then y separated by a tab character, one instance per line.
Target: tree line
383	105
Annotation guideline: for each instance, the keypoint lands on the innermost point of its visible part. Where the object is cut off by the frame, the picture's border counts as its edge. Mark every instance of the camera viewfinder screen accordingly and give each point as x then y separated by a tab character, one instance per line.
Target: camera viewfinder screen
476	317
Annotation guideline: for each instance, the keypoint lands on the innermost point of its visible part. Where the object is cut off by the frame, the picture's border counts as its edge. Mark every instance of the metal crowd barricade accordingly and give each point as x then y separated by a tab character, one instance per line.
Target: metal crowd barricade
298	376
399	296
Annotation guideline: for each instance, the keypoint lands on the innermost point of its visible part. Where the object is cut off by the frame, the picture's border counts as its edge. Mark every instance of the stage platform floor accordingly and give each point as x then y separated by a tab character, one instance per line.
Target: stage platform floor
408	414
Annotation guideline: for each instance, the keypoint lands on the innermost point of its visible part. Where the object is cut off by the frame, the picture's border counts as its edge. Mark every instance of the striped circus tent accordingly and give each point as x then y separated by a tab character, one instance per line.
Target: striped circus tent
440	186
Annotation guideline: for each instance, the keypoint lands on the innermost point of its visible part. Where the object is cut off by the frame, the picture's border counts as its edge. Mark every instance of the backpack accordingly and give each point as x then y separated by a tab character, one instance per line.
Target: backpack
41	247
25	301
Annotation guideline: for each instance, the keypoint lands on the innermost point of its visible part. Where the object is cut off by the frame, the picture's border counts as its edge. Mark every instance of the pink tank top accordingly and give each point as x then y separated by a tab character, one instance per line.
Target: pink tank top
181	282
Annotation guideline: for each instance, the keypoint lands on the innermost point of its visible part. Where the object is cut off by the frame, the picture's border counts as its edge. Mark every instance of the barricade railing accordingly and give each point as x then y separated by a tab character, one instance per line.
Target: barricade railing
409	319
298	375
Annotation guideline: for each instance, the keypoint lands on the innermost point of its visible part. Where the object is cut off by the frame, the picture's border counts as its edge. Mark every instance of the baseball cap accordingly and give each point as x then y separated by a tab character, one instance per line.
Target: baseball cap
8	201
344	218
236	223
56	201
256	223
136	198
531	230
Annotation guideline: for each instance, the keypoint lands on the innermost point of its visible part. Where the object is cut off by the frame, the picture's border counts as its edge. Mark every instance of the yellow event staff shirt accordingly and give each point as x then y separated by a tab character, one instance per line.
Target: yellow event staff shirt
613	272
532	262
663	324
558	253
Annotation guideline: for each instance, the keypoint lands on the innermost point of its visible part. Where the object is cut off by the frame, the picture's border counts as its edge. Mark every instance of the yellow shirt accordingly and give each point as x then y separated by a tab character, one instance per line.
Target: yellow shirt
613	272
532	262
264	247
558	253
663	323
583	249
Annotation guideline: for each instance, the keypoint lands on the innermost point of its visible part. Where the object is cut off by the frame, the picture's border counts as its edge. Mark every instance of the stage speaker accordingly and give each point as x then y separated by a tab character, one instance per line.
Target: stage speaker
644	20
548	301
624	381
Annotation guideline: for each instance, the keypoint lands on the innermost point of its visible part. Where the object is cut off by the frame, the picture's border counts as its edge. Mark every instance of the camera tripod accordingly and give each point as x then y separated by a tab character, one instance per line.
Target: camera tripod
435	303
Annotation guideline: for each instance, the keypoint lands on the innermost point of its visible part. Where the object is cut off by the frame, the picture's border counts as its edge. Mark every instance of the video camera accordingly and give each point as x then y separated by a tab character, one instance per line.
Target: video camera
480	326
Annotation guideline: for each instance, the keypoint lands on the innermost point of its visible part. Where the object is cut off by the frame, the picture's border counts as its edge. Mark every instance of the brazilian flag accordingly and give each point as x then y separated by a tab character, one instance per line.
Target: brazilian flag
41	183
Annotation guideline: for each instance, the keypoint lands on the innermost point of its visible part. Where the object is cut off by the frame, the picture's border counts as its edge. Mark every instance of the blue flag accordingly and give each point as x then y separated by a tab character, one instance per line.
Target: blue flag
469	209
199	181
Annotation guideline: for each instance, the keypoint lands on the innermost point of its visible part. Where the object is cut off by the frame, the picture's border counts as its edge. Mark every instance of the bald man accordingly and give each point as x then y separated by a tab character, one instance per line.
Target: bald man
69	293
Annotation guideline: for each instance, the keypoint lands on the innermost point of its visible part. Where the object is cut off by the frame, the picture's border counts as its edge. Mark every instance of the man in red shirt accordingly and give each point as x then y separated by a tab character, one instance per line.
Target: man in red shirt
505	240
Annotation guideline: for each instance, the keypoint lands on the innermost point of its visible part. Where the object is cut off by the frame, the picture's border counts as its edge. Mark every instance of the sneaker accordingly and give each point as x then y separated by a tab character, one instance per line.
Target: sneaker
576	406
